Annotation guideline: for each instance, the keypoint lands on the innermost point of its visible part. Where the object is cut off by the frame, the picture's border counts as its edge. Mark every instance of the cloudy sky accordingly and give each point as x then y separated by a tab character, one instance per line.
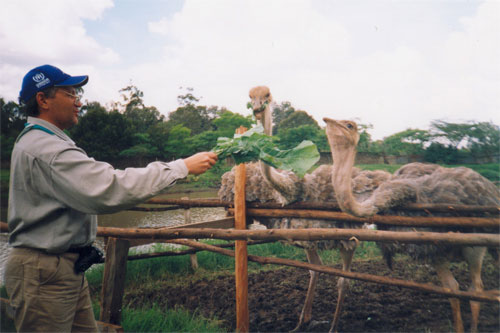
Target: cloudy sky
392	64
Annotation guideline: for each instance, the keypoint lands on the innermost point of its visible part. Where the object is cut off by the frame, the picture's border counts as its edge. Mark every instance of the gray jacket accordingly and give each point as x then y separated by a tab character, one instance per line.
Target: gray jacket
55	190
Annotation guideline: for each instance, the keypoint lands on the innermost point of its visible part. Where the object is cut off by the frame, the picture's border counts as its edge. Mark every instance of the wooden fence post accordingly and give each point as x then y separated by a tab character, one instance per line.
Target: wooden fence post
187	220
241	254
113	280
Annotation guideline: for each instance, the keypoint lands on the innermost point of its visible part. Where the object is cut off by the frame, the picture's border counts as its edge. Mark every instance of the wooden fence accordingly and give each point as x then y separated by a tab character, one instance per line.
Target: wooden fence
120	240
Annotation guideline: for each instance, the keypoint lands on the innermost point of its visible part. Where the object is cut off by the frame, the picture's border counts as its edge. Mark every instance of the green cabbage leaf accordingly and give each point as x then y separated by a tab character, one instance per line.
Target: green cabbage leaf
254	145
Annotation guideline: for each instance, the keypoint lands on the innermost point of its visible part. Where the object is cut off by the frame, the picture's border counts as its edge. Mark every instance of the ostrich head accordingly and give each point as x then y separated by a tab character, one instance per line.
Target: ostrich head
260	97
341	134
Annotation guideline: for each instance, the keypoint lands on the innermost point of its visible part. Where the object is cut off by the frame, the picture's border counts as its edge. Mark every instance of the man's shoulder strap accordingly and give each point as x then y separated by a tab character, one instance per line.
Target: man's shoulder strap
28	127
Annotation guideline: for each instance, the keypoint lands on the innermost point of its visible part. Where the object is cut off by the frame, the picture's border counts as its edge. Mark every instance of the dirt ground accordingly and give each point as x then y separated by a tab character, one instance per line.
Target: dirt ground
276	298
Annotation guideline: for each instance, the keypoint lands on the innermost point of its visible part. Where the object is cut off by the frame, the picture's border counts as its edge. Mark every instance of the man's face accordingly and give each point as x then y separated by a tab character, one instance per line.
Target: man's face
64	107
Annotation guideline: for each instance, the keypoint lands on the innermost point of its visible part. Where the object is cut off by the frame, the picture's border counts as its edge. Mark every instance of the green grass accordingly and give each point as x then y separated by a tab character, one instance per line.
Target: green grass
387	167
156	319
490	171
176	270
153	318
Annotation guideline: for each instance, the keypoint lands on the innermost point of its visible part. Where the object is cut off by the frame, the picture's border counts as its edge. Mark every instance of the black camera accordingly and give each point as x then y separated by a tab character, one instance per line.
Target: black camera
88	256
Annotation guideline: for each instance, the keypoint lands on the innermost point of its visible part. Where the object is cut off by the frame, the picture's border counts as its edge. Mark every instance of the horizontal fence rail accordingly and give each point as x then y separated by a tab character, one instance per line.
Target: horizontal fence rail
311	234
408	221
443	208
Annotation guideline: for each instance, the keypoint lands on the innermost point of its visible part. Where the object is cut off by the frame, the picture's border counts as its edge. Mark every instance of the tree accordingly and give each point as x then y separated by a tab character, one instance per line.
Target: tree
480	138
205	141
454	133
407	142
292	137
12	123
141	116
439	153
176	145
365	139
158	138
296	119
484	139
102	134
228	122
281	112
142	148
188	98
196	118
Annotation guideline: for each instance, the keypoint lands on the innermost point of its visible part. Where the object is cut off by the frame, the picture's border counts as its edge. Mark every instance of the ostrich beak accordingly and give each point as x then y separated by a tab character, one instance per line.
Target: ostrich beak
258	112
330	121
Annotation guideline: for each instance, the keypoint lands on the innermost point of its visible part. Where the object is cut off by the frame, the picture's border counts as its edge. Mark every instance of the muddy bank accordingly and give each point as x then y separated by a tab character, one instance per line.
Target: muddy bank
276	298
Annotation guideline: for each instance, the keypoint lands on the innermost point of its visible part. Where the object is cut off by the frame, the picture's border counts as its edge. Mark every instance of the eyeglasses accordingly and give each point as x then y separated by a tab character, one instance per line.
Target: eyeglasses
76	97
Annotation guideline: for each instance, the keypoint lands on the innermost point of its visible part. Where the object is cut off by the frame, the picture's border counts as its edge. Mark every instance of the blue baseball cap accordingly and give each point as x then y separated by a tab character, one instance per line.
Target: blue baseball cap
47	76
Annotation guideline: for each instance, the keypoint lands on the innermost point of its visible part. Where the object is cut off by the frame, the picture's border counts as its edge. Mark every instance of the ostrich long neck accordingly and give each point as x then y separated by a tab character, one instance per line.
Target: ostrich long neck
285	185
343	161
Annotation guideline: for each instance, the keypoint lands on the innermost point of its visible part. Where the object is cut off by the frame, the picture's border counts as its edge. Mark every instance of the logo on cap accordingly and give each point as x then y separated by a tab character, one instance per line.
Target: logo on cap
40	80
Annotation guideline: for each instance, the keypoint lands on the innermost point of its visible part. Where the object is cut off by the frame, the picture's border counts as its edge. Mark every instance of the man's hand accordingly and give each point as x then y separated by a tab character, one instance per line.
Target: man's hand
200	162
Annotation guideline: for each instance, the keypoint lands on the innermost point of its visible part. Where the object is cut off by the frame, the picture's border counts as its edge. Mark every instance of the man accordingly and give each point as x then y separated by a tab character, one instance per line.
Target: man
55	192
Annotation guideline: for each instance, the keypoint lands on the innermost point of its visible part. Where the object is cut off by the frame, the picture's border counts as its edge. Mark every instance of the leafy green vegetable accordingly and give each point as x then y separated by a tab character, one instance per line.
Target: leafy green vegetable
254	145
262	107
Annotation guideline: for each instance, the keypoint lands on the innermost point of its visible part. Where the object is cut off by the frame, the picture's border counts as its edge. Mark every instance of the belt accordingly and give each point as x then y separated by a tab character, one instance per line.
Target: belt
70	250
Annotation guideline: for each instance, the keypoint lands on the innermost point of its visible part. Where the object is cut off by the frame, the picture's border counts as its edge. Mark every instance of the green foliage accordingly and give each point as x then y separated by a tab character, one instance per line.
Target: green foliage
227	122
176	144
188	98
102	134
296	119
143	147
481	138
439	153
197	118
201	142
140	116
454	133
253	145
408	142
279	113
484	139
130	129
291	137
489	171
386	167
12	123
193	117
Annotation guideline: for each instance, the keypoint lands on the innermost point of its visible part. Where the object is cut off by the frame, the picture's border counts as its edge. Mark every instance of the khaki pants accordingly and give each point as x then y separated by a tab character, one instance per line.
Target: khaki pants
46	294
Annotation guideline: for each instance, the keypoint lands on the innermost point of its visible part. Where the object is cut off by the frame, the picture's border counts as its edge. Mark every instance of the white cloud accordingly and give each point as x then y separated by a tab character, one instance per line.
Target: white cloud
336	60
160	27
223	48
35	33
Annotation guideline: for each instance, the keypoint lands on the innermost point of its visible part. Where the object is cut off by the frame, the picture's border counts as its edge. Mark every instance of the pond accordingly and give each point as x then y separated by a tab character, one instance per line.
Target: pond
133	219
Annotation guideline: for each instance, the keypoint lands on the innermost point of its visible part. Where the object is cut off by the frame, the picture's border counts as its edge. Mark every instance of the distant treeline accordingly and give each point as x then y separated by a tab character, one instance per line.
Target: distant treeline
130	130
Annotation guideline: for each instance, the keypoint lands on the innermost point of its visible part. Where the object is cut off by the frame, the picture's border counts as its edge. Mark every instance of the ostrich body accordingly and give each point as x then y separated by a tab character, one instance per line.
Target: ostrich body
420	183
266	184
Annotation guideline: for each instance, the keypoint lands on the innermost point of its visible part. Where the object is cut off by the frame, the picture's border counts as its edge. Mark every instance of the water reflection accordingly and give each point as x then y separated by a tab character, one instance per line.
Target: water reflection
133	219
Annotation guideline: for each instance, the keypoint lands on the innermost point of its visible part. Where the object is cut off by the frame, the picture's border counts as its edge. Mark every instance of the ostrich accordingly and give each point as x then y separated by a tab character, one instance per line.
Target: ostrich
422	183
286	184
266	184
